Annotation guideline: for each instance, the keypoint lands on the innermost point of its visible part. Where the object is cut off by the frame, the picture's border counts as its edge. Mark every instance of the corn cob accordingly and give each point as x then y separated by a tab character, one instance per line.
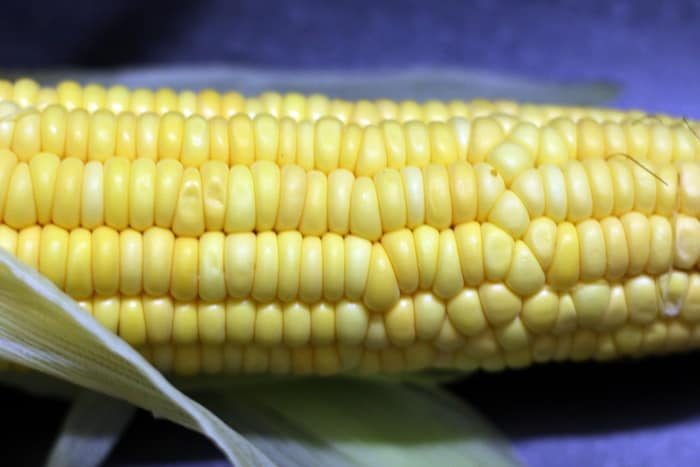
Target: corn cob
209	103
327	143
489	259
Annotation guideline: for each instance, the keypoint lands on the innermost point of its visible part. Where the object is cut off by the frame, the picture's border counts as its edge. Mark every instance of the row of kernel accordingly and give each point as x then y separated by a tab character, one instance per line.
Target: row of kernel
472	316
209	103
290	265
139	194
328	143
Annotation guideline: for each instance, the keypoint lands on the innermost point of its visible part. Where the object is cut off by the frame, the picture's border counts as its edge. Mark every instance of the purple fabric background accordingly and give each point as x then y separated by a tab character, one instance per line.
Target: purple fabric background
619	414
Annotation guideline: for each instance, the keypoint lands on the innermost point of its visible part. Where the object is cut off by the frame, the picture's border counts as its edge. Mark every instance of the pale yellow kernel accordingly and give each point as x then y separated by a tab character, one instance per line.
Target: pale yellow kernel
170	136
103	135
158	316
661	143
552	149
395	143
591	301
106	312
168	182
240	321
637	234
510	214
125	145
689	294
414	194
53	129
26	139
333	253
269	322
567	320
580	200
500	304
365	219
208	103
376	333
292	196
142	192
525	276
564	270
77	130
463	192
616	248
241	135
296	324
443	146
623	185
401	252
497	251
327	144
105	261
142	101
556	200
616	312
266	267
147	135
351	321
290	244
490	188
218	136
487	133
667	192
640	295
400	323
132	326
465	313
527	136
350	146
211	275
372	152
117	99
392	203
340	184
418	145
448	278
266	128
70	94
185	323
448	340
311	270
567	128
427	242
510	160
430	313
189	213
25	91
513	336
240	203
131	262
590	139
540	311
79	283
644	188
470	250
266	182
357	259
314	217
20	208
116	189
381	290
165	100
158	245
27	249
592	250
541	239
438	203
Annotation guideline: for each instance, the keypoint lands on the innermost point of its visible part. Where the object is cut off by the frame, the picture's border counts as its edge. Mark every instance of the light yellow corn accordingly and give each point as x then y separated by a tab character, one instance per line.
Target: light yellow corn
510	143
210	103
500	252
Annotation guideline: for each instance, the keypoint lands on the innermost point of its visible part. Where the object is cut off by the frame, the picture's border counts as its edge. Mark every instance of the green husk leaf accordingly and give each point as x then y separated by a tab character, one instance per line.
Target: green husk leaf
90	431
356	422
43	329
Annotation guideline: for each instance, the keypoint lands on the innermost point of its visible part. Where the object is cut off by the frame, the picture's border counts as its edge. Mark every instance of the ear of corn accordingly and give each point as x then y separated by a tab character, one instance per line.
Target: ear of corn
291	241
